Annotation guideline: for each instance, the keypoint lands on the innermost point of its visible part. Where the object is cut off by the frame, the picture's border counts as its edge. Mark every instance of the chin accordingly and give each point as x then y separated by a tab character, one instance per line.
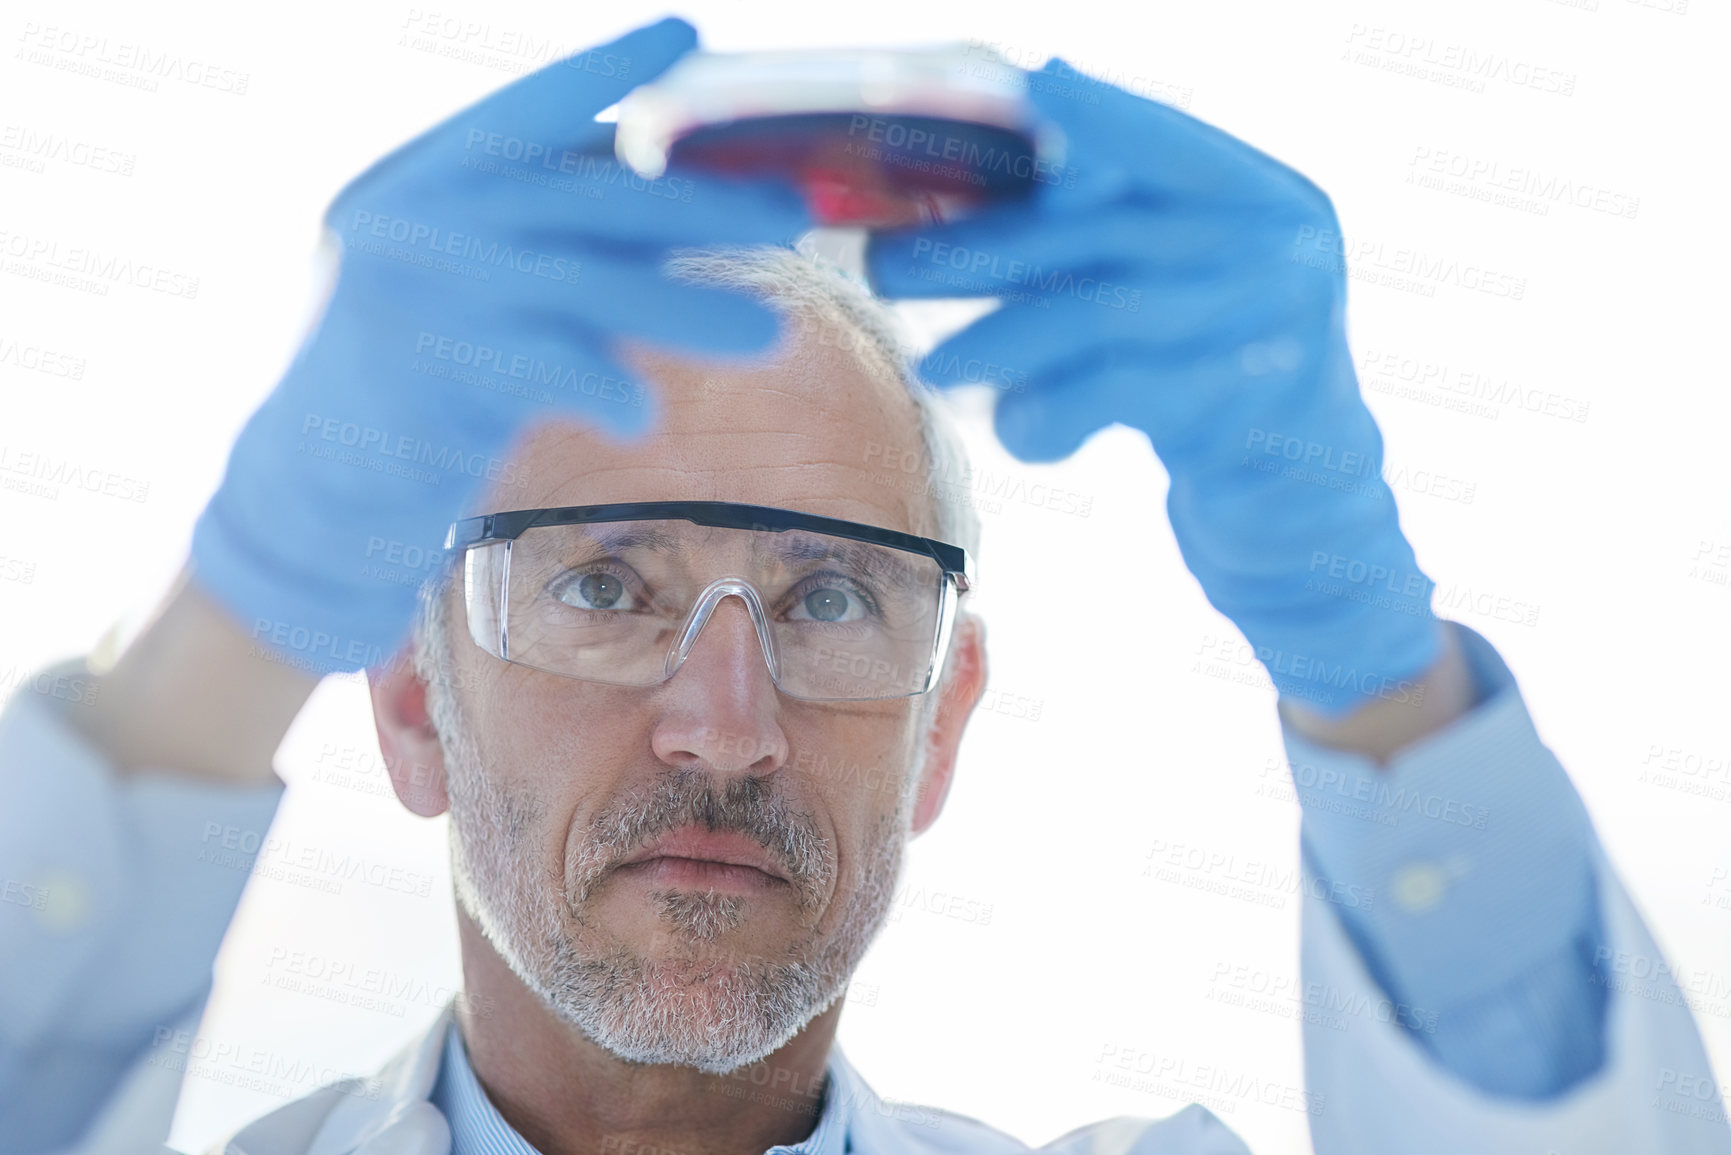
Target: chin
716	1011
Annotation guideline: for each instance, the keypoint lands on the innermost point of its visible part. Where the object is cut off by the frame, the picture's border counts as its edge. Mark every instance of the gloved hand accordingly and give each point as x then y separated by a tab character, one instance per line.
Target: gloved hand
1166	279
487	268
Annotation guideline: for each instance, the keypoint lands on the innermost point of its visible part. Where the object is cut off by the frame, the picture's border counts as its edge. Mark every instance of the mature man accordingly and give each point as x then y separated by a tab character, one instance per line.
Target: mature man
622	958
648	659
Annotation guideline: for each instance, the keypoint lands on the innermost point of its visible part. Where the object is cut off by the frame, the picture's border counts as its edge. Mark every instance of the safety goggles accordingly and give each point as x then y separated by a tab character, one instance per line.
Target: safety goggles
619	593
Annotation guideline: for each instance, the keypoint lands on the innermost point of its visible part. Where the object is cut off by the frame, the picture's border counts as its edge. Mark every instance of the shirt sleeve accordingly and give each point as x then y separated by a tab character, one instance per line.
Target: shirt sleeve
115	893
1463	874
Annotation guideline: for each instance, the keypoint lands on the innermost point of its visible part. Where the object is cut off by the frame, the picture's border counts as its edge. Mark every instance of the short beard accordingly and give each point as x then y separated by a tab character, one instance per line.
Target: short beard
712	1014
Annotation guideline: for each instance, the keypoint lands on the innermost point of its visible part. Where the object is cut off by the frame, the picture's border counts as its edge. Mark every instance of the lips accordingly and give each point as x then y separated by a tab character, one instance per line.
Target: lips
726	847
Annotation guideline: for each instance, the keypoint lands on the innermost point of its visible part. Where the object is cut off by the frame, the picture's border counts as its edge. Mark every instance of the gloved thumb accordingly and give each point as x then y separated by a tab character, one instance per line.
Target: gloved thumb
1052	419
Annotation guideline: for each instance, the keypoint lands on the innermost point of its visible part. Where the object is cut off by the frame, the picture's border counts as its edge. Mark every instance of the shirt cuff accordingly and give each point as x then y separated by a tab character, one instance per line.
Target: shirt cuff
114	896
1465	863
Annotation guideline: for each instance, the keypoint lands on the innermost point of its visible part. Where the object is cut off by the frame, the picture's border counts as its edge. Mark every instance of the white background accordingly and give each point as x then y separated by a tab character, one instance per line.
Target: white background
1612	530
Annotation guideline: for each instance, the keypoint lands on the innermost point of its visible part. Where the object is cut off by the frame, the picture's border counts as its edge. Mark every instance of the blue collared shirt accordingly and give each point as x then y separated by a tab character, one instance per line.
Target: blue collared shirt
477	1128
1470	855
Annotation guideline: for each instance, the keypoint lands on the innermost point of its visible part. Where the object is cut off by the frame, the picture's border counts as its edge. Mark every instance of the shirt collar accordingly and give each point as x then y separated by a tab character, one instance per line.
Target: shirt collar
477	1128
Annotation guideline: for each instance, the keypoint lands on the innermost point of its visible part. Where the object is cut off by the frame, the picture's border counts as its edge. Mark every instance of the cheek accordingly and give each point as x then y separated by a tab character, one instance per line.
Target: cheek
858	775
548	744
536	724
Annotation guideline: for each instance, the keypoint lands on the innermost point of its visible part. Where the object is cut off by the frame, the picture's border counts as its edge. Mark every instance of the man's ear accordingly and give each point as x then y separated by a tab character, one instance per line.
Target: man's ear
958	694
413	757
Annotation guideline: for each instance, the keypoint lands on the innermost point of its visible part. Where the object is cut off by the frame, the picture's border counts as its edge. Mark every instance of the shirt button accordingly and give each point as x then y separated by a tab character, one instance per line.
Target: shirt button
66	906
1419	886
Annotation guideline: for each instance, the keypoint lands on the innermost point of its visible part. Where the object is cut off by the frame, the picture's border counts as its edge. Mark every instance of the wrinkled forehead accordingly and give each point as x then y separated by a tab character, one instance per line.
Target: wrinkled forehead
810	427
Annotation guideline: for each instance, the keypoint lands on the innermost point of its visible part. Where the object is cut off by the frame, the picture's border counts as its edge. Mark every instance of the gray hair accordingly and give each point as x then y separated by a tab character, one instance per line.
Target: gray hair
810	287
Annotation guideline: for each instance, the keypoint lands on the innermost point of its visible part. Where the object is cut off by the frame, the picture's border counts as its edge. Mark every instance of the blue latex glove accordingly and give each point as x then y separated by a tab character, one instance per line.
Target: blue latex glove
487	267
1165	279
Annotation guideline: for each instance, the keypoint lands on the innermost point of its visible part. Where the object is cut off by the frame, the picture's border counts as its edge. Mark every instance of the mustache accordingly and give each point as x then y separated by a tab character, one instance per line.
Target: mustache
749	806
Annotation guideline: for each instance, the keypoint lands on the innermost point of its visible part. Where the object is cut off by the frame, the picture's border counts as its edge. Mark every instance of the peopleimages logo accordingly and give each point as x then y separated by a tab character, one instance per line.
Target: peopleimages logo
542	163
305	647
465	246
35	148
369	439
533	371
1531	189
37	359
502	47
967	153
89	269
1399	266
46	473
124	61
978	266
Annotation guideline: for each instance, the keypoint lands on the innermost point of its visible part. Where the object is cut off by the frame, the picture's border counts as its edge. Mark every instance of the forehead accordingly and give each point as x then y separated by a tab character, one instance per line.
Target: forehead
810	428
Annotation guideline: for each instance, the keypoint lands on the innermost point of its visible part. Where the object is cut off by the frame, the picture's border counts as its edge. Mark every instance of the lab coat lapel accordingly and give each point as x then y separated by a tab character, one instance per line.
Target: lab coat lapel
361	1112
405	1082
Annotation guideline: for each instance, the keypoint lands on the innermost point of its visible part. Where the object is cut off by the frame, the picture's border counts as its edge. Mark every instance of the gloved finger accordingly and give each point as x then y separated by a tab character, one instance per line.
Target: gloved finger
608	296
915	263
1190	402
546	103
1178	246
552	109
1079	315
605	291
548	369
459	372
1170	152
1051	421
615	211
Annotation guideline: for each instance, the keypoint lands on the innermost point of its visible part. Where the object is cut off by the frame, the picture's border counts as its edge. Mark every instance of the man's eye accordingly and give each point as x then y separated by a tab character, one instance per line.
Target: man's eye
596	591
829	604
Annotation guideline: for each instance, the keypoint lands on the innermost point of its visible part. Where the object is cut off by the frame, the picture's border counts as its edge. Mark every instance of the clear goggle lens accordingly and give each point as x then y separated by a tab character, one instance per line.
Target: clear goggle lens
624	602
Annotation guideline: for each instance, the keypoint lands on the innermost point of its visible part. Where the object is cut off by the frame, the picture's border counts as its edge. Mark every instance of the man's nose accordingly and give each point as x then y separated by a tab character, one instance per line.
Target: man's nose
722	711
